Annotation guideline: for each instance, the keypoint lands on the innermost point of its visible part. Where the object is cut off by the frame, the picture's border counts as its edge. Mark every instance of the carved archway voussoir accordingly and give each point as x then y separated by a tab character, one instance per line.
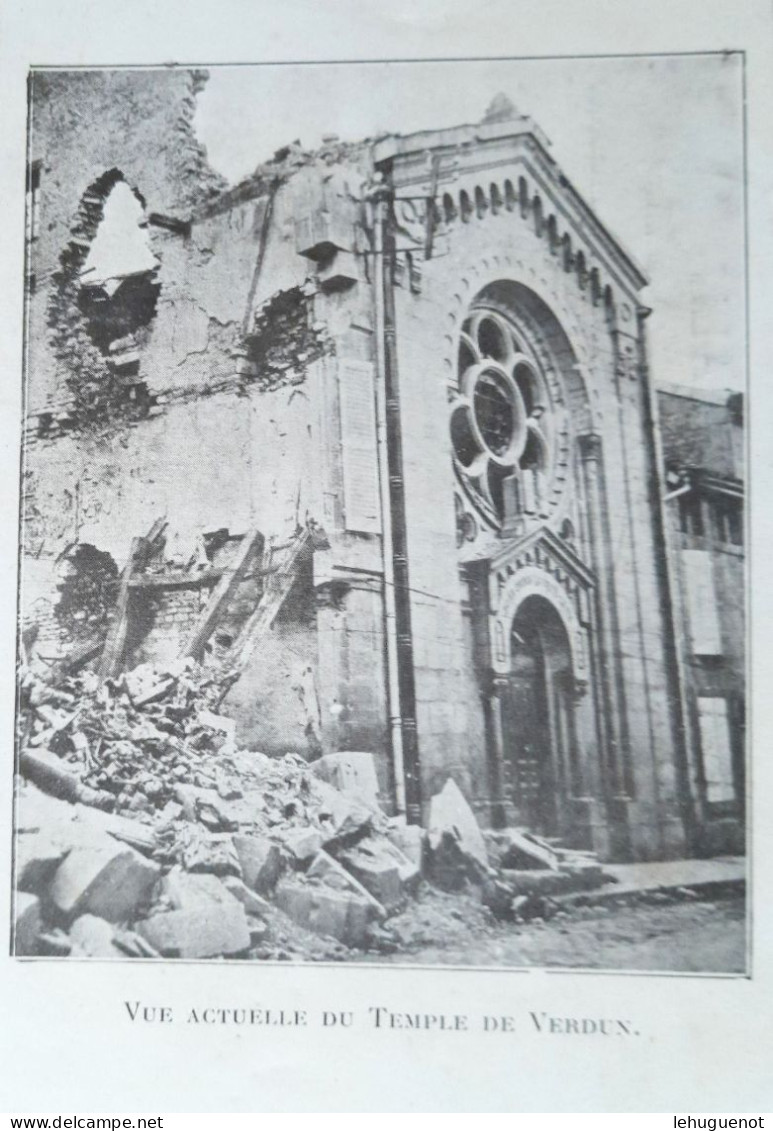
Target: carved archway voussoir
534	581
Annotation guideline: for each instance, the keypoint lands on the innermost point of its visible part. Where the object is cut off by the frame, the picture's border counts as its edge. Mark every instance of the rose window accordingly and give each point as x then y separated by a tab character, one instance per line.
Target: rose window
501	426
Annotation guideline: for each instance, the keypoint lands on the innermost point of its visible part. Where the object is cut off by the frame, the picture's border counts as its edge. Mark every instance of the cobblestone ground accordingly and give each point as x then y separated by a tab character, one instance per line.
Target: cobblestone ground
695	935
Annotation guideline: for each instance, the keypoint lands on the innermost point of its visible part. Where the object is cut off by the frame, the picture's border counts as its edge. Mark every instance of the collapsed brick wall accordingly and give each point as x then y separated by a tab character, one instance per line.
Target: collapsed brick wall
227	418
78	337
87	593
106	456
163	622
89	128
284	340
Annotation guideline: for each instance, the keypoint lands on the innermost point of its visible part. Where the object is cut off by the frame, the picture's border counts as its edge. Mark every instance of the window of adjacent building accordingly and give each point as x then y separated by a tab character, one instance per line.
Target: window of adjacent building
691	514
716	749
727	520
33	201
701	597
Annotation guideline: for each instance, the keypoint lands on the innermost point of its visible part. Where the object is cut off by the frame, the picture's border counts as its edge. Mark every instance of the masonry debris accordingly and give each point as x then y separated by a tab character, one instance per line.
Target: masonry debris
145	830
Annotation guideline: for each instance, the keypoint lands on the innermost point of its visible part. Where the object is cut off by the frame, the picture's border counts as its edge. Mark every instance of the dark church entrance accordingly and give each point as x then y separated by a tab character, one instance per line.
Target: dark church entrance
538	722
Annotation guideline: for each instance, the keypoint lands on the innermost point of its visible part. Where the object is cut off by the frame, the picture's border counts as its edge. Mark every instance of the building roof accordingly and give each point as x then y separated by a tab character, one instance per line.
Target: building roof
501	124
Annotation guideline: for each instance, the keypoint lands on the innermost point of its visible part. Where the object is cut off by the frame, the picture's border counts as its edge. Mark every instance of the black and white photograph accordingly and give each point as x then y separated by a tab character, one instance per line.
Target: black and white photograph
382	579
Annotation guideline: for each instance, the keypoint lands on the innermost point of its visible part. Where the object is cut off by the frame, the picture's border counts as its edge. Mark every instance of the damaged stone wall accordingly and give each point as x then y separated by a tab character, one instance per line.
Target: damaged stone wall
191	436
213	413
284	339
87	129
87	592
221	410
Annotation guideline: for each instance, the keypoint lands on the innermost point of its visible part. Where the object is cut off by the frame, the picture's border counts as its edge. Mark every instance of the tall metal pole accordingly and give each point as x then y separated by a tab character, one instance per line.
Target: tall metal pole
402	589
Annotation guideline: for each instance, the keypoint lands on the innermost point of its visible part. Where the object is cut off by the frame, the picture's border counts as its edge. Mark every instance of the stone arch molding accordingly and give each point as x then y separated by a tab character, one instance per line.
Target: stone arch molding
494	269
531	581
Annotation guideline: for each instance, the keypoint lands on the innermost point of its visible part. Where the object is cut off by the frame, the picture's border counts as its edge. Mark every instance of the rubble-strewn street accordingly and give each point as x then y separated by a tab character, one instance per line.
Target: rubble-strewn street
677	934
145	831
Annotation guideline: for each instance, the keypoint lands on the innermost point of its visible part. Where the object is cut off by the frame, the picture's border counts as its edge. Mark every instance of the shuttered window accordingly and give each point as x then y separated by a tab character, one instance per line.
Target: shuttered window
715	748
359	452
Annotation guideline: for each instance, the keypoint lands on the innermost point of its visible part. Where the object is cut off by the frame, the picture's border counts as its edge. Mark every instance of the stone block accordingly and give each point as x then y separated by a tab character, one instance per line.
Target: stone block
93	937
537	881
519	850
343	818
456	845
26	923
376	864
352	772
302	844
261	862
252	903
410	839
54	944
186	891
208	931
259	930
341	915
37	858
334	875
111	882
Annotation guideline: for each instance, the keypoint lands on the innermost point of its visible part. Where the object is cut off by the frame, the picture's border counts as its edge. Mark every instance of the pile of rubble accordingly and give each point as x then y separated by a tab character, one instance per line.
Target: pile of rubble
143	830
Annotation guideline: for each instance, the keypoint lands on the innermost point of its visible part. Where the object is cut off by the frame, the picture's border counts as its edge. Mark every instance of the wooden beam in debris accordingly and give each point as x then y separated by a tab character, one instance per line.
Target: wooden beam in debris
83	653
115	642
177	579
273	597
250	548
179	225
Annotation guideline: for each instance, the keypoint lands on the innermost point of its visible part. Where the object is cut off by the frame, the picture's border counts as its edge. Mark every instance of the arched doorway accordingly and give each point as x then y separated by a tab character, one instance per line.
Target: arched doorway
541	768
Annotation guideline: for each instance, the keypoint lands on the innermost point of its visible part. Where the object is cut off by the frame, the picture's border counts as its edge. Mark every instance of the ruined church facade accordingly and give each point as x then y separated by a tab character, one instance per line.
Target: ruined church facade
377	428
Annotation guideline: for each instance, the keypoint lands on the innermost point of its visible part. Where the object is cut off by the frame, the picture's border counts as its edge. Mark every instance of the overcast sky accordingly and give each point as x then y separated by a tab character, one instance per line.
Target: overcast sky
654	144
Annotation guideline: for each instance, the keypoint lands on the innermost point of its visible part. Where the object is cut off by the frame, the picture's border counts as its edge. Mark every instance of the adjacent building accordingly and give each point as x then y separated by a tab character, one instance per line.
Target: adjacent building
703	447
